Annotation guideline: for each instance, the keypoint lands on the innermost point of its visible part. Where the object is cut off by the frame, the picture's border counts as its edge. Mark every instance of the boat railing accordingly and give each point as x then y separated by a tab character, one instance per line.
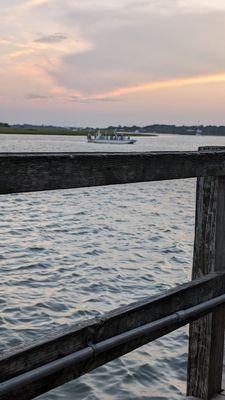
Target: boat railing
30	371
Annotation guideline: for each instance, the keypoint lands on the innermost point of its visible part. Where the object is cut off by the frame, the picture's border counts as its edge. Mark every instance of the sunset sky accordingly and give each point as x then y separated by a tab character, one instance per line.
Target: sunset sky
103	62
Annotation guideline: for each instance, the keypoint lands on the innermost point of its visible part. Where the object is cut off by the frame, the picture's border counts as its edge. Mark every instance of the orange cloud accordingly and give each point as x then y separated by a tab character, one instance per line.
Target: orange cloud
65	94
30	4
41	50
20	53
15	13
4	40
162	84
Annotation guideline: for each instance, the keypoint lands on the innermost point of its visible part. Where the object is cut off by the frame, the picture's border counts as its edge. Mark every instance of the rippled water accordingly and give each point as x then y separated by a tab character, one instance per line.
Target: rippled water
70	255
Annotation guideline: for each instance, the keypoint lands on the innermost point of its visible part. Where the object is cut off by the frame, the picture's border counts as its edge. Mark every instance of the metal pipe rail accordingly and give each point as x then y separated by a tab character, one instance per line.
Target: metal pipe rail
14	385
159	315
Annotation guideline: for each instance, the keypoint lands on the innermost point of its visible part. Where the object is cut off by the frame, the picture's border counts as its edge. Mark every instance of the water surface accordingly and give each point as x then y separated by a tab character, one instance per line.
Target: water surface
71	255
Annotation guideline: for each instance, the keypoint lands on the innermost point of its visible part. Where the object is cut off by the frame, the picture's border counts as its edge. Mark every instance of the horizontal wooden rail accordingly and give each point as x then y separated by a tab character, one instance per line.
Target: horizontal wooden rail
48	171
112	324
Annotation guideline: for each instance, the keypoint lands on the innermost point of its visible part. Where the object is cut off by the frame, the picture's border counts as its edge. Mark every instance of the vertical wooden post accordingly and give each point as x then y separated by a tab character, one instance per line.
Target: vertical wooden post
206	336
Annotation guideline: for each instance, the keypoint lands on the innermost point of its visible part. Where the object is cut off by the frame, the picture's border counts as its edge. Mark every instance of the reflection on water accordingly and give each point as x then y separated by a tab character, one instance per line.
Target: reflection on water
74	254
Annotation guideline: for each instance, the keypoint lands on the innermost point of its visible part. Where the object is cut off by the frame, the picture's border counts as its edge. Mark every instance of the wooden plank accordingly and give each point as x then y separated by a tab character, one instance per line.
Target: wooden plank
206	340
220	396
118	321
47	171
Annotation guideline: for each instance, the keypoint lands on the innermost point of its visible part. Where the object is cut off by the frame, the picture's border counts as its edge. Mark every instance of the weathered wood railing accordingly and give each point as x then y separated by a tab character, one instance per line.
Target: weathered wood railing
30	371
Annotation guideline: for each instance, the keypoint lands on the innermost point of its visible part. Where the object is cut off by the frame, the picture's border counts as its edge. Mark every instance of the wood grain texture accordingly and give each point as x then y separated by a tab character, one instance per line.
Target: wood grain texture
206	339
48	171
118	321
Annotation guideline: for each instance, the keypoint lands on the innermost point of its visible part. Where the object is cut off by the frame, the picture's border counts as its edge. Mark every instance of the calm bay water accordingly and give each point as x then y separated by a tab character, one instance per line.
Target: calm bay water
71	255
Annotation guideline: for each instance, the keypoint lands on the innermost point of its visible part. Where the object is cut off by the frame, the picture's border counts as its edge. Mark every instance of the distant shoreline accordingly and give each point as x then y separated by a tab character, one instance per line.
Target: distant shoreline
69	132
57	132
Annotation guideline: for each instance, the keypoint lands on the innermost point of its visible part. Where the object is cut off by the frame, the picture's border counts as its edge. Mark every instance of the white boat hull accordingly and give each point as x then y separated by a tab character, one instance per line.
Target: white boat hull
102	141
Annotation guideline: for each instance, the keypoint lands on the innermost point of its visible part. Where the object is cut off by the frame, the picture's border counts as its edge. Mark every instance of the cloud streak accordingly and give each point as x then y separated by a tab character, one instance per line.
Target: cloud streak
53	38
163	84
115	95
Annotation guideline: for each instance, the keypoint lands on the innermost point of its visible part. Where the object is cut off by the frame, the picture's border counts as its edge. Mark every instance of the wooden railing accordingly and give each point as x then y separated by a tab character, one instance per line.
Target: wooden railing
30	371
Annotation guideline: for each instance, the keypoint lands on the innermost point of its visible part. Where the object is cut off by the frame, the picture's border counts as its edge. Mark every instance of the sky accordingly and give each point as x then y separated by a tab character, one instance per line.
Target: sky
104	62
